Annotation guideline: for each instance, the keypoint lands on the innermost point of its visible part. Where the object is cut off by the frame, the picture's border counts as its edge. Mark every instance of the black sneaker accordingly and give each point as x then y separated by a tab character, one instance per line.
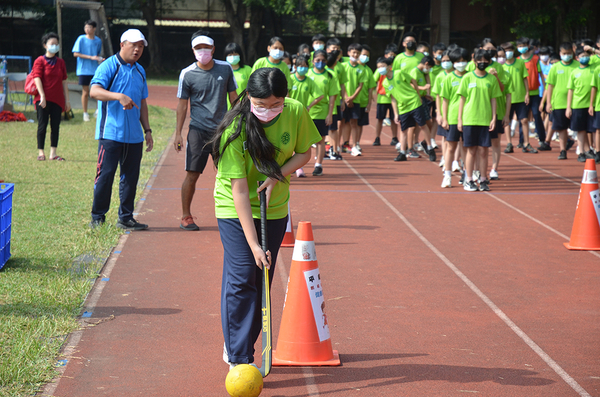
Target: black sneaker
377	142
484	186
412	154
318	171
470	186
394	141
562	155
570	143
462	178
529	149
597	157
581	158
590	155
95	223
520	146
400	157
509	148
545	147
131	224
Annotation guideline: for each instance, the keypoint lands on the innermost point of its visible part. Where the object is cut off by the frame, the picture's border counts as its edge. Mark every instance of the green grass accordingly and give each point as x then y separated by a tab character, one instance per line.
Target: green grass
170	77
42	288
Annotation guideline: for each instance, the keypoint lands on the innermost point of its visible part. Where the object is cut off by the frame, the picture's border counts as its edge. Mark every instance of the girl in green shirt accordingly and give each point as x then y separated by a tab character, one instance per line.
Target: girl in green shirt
265	137
241	72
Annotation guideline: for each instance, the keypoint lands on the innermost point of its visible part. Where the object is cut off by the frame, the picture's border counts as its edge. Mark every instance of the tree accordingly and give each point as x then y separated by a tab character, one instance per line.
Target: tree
358	7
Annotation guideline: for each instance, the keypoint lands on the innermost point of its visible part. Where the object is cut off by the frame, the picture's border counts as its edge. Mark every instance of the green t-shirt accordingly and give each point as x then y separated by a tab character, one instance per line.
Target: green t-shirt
478	92
406	62
265	63
338	72
381	99
329	85
355	75
291	131
559	78
436	88
596	83
363	97
505	79
418	75
241	78
433	74
449	91
594	61
517	72
304	91
580	82
401	89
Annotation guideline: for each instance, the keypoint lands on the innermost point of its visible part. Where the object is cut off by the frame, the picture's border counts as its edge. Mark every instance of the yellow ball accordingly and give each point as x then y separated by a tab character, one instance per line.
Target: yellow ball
244	380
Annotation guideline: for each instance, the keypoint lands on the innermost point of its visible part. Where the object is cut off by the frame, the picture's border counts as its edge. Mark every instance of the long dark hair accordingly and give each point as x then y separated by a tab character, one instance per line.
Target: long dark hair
262	83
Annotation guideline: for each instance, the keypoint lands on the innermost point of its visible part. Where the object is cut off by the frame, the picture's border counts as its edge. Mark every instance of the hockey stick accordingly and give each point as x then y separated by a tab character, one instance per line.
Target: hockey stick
266	293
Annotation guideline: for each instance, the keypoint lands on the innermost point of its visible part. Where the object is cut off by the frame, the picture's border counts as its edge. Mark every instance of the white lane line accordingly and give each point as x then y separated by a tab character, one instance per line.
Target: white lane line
538	350
544	170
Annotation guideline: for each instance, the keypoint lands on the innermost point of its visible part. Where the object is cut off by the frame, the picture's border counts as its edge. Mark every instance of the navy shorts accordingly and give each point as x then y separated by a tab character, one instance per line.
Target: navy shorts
560	122
454	135
384	110
582	121
364	117
412	118
597	120
85	80
321	127
334	120
520	109
476	135
427	105
499	129
197	151
352	113
442	132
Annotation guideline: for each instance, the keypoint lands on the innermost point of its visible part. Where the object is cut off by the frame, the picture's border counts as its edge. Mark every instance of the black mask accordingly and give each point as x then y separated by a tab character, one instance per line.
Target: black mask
411	46
482	65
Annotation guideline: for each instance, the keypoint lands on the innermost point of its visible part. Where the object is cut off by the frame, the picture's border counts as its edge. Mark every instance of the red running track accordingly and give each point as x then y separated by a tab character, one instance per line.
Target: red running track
429	291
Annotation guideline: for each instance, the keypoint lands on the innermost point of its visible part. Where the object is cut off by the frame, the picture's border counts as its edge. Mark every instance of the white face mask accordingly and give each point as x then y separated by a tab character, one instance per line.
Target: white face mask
382	70
353	60
446	65
53	48
544	58
426	70
318	47
425	54
276	54
509	54
460	66
363	59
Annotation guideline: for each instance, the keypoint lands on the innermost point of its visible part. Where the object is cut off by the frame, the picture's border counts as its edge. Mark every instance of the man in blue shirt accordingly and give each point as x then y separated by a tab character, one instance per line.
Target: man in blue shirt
119	85
87	50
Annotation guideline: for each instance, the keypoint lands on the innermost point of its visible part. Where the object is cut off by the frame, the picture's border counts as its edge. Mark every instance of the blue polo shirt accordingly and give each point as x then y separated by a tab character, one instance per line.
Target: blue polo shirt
83	45
114	123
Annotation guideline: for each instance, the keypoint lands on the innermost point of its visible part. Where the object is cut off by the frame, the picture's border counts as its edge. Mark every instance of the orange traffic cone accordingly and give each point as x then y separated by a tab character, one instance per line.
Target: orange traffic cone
585	235
288	239
304	338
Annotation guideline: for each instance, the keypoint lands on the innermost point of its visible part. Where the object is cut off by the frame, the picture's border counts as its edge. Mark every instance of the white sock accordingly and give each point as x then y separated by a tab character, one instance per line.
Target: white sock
447	173
317	164
429	147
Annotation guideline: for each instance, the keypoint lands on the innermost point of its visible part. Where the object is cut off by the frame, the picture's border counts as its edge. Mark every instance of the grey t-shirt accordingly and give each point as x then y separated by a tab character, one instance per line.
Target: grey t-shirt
207	91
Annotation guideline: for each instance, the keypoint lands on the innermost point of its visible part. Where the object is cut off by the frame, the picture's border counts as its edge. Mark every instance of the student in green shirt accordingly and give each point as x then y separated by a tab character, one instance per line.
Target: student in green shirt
557	93
578	104
437	52
356	77
365	98
436	92
594	109
265	138
322	112
451	100
318	43
241	72
478	92
334	54
410	57
276	50
419	73
384	103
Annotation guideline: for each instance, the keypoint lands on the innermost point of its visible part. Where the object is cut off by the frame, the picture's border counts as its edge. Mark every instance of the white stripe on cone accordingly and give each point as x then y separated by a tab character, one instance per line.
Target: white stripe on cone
589	177
304	251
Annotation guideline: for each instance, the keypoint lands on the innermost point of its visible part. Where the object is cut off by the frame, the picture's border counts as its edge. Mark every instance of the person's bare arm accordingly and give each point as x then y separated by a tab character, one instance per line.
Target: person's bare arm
146	125
182	107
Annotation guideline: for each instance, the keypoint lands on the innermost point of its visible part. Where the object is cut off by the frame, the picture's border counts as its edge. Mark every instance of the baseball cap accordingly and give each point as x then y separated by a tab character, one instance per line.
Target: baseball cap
133	36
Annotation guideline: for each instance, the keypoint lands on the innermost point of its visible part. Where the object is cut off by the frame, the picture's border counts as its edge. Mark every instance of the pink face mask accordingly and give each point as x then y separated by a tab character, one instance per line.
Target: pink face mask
203	55
265	115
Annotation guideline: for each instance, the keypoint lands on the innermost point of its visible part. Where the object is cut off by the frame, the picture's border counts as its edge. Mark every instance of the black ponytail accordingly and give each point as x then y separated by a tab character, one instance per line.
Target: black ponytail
263	83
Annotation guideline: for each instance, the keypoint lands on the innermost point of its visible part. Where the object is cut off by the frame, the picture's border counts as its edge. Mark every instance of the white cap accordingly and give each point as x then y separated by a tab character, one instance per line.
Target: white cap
133	36
202	40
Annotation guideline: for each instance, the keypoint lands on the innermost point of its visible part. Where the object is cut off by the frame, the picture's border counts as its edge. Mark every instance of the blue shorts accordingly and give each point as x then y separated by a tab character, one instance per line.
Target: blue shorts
582	121
597	120
364	117
442	132
412	118
321	127
85	80
520	109
334	120
454	135
476	135
428	106
499	129
384	110
560	122
352	113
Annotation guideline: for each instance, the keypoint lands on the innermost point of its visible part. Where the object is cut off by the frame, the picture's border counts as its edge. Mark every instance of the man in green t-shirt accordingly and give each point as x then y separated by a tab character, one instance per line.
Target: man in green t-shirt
356	77
420	73
365	98
410	58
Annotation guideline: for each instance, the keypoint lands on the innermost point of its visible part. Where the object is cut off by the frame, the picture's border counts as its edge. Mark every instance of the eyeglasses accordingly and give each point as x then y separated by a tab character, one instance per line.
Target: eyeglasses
264	110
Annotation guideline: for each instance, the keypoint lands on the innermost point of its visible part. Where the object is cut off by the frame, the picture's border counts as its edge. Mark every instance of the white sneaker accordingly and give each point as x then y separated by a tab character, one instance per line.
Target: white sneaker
442	162
476	175
493	174
355	152
418	147
86	117
447	181
358	146
433	144
531	125
455	166
387	122
300	173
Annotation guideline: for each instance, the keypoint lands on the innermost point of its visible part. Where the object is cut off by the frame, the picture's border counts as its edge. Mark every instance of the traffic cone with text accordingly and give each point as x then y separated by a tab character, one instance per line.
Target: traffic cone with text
585	235
288	238
304	338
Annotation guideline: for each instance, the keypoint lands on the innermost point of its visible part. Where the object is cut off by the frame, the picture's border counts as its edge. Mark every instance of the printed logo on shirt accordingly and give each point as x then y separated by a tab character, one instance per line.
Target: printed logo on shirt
560	72
578	75
220	78
294	88
285	138
455	83
472	85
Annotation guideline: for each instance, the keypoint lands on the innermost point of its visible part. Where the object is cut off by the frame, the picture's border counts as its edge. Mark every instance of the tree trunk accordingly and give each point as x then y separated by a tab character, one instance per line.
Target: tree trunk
358	6
373	20
236	17
148	8
256	20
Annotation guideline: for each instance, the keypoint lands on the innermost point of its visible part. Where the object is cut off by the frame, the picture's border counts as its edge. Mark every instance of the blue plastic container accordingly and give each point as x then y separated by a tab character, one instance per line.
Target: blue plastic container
6	193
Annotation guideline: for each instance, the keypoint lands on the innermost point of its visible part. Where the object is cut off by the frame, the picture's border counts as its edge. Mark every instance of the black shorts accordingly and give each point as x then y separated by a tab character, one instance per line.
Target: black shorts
384	110
520	110
352	113
427	105
560	122
334	120
499	129
412	118
364	117
85	80
321	127
597	120
476	135
582	121
454	135
196	151
442	132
